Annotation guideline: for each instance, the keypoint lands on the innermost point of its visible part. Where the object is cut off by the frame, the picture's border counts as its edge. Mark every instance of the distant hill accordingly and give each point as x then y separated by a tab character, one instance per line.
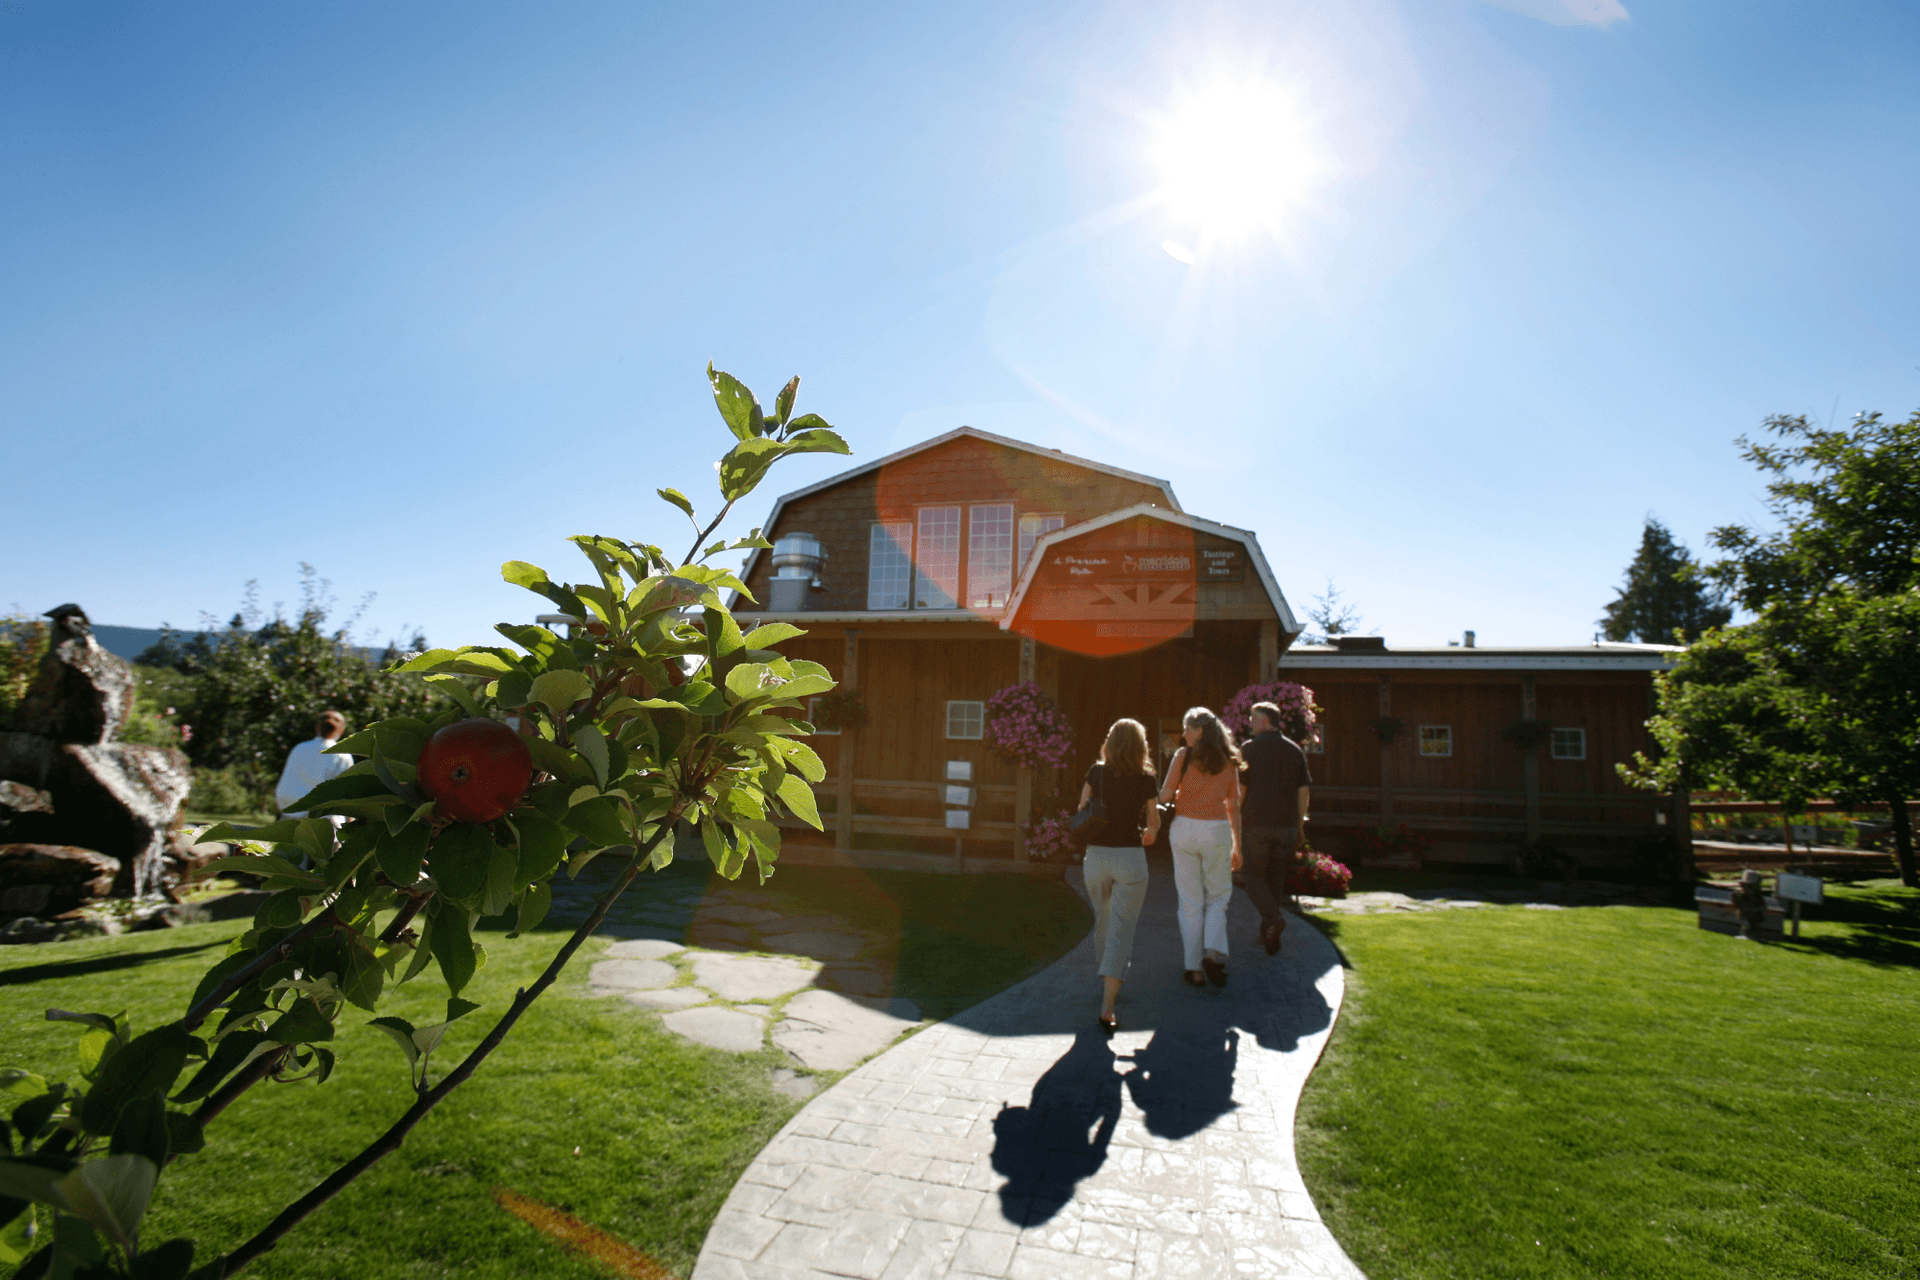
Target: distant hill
131	642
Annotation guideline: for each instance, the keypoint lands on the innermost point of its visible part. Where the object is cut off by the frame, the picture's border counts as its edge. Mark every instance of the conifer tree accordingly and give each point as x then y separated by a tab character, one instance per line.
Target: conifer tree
1663	593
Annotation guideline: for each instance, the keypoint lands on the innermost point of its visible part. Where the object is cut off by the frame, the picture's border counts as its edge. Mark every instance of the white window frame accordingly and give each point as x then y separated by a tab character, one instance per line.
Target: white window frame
1578	742
1034	525
964	714
930	592
818	732
1442	738
888	539
990	555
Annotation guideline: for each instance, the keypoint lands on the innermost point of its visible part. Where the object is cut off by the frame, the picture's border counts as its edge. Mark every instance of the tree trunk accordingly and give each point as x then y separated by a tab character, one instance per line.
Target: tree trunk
1903	842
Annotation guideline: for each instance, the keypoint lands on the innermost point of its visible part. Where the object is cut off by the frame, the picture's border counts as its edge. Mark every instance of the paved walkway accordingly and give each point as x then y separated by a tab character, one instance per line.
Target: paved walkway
1016	1141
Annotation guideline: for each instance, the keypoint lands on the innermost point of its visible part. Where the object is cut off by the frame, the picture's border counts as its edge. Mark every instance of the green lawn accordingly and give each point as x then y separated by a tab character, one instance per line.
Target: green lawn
589	1106
1611	1091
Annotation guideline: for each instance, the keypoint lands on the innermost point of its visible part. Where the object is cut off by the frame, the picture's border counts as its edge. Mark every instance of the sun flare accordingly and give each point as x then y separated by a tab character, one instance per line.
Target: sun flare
1235	157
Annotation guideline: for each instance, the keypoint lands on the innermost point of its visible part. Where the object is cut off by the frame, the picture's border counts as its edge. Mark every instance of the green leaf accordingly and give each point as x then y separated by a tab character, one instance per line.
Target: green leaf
812	433
559	690
468	660
456	688
401	1032
513	690
459	862
768	634
142	1129
364	975
235	1050
783	402
542	845
599	821
302	1023
110	1194
17	1238
453	946
737	405
592	746
679	500
798	796
148	1064
272	866
422	948
534	904
745	465
399	853
168	1261
31	1116
501	865
185	1135
351	786
551	757
749	680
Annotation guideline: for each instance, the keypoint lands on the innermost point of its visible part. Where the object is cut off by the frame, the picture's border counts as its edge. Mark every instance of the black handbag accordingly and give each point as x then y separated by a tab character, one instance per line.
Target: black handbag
1091	818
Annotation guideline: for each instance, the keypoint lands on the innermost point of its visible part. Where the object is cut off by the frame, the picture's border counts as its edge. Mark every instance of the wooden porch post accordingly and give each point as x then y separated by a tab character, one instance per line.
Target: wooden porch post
849	749
1023	776
1269	650
1386	753
1530	764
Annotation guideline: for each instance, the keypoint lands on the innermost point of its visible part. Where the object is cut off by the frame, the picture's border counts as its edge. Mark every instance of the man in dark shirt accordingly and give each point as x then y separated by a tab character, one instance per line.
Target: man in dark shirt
1276	783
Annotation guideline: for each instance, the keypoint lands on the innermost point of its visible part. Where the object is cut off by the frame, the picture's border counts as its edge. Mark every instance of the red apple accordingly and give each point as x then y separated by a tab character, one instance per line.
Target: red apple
476	770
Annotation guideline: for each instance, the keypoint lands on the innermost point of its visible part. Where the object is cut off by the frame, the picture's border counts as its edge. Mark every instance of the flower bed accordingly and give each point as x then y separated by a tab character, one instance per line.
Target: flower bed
1047	838
1316	874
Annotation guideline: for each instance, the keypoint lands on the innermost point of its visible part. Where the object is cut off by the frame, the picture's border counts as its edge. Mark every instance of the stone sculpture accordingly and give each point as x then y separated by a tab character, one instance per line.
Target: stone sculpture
79	799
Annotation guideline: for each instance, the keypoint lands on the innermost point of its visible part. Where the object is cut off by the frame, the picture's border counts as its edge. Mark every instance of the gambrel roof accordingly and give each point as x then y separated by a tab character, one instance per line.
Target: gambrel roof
959	433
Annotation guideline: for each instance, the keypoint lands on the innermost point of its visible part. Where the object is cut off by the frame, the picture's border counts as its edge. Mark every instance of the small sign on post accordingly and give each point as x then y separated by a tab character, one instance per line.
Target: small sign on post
959	797
1797	889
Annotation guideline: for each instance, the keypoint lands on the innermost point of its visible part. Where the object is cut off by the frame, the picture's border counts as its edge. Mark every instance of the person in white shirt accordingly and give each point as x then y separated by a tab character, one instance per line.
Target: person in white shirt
308	766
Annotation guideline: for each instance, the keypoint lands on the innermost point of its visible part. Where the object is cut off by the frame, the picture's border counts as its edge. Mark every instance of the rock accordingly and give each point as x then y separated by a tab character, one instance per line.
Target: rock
27	929
120	798
47	879
760	1011
793	1084
827	1031
23	799
643	949
81	693
611	977
670	998
750	977
717	1028
186	859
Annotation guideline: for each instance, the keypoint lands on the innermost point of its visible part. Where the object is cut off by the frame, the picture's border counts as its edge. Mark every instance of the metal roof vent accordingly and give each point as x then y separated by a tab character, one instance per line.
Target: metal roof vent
797	560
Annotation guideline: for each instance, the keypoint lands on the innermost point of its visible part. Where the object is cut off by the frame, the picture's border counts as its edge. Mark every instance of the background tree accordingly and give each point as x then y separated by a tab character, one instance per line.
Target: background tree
249	693
1664	592
1331	616
1820	694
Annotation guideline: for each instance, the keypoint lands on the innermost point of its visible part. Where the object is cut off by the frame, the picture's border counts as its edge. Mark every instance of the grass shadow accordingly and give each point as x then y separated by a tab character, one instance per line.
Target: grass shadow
28	974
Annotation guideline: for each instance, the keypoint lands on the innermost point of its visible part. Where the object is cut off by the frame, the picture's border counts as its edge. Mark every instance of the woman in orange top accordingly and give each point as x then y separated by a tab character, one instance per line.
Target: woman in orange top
1203	785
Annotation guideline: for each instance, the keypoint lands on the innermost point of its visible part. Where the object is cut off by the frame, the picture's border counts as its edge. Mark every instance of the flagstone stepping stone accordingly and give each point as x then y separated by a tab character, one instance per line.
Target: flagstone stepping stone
751	977
718	1028
757	1010
853	979
821	944
738	915
827	1031
671	998
793	1084
643	949
611	976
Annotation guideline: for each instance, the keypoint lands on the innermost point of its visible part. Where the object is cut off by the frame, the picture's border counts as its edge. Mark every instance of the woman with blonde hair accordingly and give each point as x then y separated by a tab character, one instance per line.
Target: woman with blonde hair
1203	785
1116	863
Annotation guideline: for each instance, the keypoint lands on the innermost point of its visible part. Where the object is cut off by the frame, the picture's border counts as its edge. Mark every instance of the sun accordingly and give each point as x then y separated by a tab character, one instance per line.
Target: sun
1235	157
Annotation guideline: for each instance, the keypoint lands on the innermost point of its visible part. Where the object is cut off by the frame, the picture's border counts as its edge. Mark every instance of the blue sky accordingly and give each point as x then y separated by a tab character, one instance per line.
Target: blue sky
407	291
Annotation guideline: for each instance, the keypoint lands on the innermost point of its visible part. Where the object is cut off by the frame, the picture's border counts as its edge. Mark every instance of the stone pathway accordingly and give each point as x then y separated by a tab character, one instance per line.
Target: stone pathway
1015	1141
735	1002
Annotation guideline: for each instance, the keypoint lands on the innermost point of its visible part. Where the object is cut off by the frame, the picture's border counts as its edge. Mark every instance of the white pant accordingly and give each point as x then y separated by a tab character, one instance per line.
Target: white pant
1203	873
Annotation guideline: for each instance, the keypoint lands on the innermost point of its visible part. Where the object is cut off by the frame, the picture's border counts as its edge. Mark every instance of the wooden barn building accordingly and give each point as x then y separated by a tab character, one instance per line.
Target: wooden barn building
930	579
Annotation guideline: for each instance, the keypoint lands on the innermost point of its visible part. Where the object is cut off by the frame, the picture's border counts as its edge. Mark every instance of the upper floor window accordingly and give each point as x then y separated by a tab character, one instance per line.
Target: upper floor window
989	556
936	577
1032	529
889	565
1436	739
1569	744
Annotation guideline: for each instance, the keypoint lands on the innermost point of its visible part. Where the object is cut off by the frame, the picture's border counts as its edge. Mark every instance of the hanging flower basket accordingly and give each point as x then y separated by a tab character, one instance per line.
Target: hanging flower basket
1048	840
1025	726
1528	735
1317	875
1299	717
